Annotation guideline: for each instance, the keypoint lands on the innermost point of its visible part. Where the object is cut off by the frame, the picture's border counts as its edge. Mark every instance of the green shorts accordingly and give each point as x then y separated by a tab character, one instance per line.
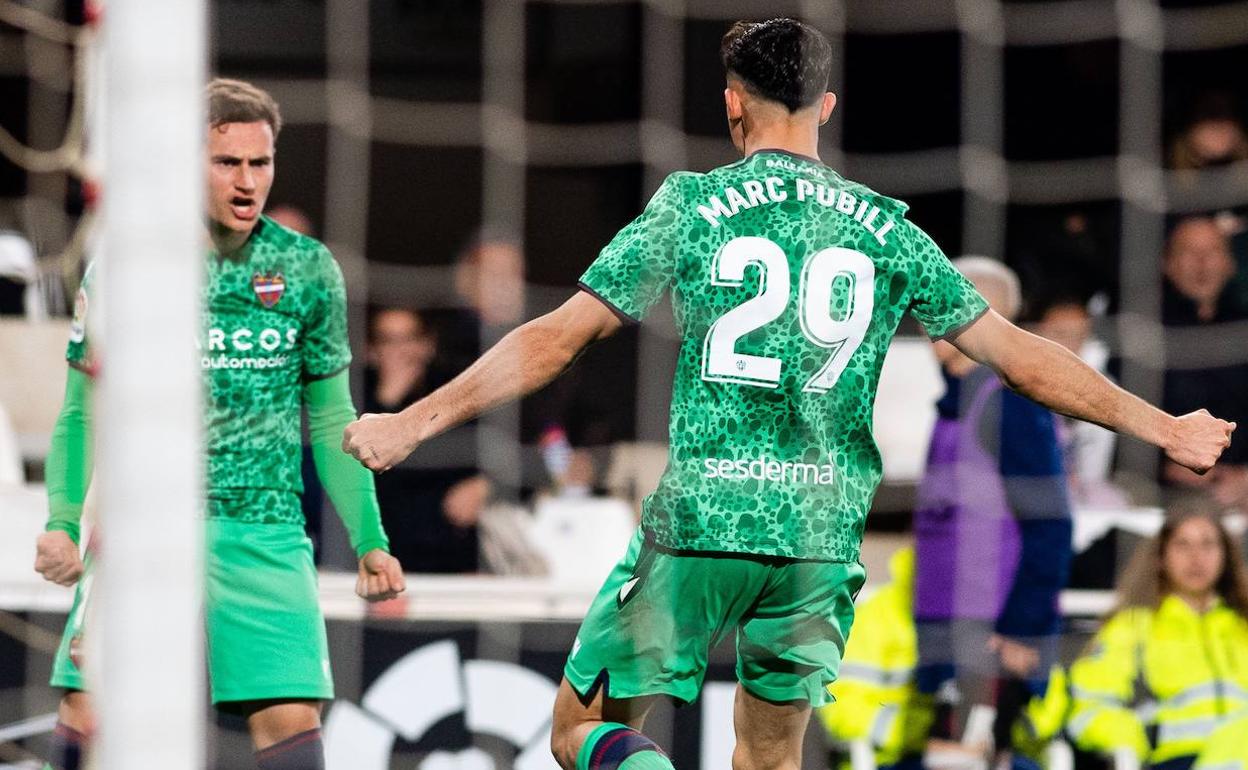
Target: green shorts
265	634
652	625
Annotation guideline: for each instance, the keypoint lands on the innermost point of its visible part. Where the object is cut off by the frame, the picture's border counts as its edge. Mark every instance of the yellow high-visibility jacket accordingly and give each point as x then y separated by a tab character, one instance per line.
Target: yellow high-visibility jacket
875	694
1160	682
1227	748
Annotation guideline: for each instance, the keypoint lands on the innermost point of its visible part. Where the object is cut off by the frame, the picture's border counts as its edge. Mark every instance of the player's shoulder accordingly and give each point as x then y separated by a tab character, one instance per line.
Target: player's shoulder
300	254
682	183
292	242
887	204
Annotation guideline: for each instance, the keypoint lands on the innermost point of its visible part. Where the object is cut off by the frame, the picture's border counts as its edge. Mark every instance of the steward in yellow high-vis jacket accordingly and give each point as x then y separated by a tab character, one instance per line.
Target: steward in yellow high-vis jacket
876	699
1171	667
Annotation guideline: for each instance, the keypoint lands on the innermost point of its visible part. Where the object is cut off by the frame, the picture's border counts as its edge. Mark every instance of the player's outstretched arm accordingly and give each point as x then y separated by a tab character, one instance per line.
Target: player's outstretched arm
68	475
525	360
1051	375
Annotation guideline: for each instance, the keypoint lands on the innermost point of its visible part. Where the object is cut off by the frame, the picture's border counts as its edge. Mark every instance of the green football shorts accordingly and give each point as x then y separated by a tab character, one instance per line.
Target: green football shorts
652	625
265	634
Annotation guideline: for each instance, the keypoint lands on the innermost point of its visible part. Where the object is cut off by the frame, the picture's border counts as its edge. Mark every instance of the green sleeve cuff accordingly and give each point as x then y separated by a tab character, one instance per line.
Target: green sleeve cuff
70	528
349	484
372	545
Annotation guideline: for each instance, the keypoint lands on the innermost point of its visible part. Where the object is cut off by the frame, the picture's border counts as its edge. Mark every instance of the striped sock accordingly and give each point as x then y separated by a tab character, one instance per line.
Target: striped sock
304	751
67	747
613	746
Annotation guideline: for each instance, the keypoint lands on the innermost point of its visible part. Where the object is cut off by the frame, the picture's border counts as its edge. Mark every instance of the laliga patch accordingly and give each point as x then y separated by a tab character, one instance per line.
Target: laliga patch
269	287
78	326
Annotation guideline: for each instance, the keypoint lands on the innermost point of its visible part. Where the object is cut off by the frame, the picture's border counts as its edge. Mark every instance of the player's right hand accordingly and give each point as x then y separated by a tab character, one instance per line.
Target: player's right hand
380	577
1198	439
57	559
378	441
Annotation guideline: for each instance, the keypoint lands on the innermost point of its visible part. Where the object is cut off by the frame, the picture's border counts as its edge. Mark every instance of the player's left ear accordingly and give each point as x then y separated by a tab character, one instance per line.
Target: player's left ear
825	110
732	103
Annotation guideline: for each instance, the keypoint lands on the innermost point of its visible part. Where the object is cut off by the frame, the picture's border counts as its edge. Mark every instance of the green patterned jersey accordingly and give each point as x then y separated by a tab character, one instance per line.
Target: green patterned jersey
788	283
274	317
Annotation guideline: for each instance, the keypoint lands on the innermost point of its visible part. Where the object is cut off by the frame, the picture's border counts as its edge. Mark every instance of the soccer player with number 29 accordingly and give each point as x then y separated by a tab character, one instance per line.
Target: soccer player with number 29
788	282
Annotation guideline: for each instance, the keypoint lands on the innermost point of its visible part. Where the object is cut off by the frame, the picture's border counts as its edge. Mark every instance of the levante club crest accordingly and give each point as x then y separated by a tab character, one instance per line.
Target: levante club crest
269	287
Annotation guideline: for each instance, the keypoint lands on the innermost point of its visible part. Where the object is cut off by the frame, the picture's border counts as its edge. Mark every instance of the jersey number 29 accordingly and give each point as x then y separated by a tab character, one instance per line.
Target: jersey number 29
822	272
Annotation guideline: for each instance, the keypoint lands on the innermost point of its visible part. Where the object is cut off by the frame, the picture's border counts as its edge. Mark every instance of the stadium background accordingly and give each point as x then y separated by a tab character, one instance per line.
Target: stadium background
411	125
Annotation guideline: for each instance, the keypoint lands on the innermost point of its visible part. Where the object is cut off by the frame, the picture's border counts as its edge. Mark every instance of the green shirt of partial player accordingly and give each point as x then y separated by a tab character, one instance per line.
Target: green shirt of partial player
788	282
273	340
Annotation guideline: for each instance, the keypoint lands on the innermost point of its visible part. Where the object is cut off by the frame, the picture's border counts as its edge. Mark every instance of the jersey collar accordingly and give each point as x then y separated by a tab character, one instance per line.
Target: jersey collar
797	155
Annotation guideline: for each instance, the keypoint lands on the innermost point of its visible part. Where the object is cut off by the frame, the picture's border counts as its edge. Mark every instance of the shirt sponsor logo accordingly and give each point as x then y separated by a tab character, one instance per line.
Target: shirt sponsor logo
763	469
246	362
264	349
269	287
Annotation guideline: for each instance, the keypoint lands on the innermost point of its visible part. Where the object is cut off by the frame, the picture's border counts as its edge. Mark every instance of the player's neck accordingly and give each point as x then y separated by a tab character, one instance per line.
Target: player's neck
793	138
226	241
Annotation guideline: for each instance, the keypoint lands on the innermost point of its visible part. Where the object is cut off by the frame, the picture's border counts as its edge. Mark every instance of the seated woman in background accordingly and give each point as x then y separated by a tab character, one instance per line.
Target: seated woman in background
1170	666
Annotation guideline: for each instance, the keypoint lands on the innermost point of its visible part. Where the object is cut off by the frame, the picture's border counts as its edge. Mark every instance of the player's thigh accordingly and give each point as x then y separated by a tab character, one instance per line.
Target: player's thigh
271	722
649	630
266	635
790	646
575	718
769	735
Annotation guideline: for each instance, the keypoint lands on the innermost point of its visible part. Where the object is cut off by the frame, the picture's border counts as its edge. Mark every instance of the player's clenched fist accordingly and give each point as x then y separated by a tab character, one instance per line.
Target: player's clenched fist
56	558
1198	439
380	441
380	576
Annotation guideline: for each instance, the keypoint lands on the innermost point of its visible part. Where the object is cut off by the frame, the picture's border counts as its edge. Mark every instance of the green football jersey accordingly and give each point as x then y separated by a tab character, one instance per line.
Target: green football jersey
788	282
274	317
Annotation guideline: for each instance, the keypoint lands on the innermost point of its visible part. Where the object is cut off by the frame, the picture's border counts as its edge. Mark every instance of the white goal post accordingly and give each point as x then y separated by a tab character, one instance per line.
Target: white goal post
148	678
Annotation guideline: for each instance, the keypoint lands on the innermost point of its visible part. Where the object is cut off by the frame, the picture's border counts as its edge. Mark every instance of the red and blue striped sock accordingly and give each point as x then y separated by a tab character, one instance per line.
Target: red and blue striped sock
613	746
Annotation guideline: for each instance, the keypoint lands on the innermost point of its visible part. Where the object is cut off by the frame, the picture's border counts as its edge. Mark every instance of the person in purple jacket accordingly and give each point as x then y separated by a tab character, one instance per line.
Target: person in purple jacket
993	538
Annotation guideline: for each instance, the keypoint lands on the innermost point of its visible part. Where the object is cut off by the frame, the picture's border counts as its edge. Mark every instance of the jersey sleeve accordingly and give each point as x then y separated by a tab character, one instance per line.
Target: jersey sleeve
637	266
944	301
78	351
326	348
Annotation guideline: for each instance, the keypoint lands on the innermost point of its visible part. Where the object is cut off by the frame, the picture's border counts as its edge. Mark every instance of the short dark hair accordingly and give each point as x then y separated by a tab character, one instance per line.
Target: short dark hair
782	60
237	101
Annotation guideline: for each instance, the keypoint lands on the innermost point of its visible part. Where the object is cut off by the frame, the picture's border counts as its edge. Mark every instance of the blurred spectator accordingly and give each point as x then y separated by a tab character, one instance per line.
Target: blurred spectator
293	217
1087	449
877	701
1213	137
18	276
993	538
1177	646
430	511
1198	268
1070	252
565	418
489	281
